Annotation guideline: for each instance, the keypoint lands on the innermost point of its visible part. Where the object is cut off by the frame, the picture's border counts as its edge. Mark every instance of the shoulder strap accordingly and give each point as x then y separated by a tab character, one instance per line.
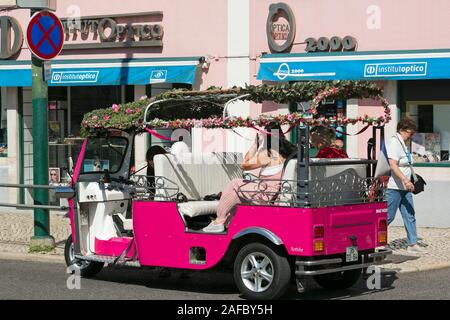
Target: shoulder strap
408	155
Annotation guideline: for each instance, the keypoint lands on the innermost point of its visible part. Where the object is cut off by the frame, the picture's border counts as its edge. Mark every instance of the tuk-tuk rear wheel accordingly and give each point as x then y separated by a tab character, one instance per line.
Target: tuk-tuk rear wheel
86	268
261	272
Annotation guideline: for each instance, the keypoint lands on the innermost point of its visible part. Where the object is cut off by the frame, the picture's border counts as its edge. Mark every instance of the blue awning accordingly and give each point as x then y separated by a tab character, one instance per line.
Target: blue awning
386	65
105	72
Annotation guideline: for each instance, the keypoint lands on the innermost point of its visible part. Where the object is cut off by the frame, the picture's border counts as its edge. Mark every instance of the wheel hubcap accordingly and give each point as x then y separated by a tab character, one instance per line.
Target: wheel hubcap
76	262
257	272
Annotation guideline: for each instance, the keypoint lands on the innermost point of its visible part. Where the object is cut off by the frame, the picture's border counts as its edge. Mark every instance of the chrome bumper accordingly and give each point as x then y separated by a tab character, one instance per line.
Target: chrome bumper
338	264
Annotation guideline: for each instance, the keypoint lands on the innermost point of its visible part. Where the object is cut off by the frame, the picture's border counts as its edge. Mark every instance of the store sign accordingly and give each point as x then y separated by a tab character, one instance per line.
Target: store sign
395	69
280	27
112	31
158	76
10	29
324	44
71	77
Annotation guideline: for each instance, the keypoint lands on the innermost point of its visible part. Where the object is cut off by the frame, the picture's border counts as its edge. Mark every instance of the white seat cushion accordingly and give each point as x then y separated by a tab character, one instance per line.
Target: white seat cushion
197	175
197	208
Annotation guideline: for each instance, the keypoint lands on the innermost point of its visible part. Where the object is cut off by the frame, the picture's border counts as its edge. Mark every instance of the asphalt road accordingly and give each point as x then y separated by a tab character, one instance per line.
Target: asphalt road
41	280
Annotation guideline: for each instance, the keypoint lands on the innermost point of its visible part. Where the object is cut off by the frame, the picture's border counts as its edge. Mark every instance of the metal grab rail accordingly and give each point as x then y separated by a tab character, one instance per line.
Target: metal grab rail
148	187
329	162
31	206
322	192
34	206
26	186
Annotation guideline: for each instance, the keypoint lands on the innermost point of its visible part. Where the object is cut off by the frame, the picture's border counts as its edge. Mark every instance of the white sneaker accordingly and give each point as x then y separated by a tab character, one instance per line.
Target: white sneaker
214	228
415	249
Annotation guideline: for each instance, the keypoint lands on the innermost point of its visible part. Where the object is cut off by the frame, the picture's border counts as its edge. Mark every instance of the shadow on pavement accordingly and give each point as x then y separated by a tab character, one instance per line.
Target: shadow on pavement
315	292
402	244
220	282
210	281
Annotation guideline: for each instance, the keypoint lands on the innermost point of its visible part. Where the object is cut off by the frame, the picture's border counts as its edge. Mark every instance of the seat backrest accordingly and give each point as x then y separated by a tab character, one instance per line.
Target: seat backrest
198	175
328	185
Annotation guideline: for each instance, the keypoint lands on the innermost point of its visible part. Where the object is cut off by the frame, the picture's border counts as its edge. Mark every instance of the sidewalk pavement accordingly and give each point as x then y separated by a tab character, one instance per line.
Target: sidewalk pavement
16	229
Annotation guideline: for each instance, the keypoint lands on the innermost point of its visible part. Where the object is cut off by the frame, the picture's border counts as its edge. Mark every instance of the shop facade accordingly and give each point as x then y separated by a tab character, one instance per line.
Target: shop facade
402	46
115	53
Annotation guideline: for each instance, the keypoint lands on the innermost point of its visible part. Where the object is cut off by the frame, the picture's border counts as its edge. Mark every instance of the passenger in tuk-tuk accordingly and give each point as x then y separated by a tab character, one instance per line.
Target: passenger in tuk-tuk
324	139
269	157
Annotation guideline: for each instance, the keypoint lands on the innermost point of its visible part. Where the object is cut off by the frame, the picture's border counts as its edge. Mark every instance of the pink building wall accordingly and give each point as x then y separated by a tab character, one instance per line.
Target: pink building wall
404	24
190	29
200	28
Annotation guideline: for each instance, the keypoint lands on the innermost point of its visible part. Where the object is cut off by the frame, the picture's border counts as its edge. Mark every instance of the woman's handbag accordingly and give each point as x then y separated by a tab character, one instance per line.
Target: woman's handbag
418	182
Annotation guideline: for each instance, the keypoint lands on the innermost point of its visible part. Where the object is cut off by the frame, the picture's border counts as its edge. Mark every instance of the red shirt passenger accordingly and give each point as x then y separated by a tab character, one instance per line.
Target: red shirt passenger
331	152
324	139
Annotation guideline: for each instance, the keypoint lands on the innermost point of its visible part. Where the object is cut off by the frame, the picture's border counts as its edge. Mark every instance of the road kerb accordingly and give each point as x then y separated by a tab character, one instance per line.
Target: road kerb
32	257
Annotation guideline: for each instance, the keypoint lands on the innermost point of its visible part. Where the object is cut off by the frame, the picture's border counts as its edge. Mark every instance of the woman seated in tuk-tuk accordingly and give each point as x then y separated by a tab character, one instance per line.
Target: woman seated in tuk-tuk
262	155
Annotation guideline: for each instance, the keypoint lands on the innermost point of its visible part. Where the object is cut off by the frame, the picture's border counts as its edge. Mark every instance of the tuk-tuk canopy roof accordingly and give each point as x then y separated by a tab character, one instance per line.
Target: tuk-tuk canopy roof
181	108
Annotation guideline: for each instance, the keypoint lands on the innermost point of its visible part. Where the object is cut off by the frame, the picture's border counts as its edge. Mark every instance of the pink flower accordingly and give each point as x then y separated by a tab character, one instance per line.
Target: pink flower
106	118
115	108
129	110
95	118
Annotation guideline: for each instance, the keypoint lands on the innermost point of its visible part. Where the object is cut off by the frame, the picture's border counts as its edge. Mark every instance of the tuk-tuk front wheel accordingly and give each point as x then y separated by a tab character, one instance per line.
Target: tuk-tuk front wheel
338	280
86	268
261	272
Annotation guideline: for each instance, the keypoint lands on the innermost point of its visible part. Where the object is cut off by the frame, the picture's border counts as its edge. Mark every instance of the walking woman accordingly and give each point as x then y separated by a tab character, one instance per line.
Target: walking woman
399	190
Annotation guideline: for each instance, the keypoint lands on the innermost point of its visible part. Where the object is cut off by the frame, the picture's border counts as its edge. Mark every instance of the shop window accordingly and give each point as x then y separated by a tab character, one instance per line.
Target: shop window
3	127
152	90
86	99
431	143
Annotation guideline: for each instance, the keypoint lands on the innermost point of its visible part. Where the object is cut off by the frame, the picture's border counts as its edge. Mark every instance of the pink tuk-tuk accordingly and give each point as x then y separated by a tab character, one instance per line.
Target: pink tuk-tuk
328	220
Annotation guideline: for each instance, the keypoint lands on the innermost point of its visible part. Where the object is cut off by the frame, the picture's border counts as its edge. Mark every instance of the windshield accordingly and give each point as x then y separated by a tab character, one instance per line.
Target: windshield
104	154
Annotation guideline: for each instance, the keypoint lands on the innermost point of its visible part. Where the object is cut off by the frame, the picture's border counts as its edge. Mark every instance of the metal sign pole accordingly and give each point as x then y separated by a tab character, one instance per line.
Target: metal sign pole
42	238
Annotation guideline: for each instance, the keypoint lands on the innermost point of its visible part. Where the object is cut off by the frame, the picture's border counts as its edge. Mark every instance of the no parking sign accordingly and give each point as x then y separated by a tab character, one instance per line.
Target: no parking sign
45	35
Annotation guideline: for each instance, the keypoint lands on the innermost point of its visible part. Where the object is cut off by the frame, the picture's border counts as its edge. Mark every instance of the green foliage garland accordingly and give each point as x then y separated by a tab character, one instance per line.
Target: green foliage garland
185	109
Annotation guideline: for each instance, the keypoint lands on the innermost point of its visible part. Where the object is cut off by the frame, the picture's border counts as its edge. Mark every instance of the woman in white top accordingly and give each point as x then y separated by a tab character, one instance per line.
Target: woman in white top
269	157
400	188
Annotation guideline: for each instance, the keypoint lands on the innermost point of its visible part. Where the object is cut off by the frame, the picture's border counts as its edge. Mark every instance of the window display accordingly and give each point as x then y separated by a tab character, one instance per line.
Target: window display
431	143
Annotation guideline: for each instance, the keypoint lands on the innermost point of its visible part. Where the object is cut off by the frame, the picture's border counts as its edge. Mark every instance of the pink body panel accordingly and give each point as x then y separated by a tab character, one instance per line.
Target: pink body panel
114	247
161	239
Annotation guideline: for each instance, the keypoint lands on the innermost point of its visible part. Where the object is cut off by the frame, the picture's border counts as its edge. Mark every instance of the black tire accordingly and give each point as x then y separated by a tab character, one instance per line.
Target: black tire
338	280
276	267
87	268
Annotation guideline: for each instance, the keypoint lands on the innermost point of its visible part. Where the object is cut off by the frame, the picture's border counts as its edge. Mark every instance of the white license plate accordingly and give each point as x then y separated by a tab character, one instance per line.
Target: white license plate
351	254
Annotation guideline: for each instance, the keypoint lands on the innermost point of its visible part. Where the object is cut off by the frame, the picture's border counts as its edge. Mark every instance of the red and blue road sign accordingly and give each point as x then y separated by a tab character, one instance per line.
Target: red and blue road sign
45	35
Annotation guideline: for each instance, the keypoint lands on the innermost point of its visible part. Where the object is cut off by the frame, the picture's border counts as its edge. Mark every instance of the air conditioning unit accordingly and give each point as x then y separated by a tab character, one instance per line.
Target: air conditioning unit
29	4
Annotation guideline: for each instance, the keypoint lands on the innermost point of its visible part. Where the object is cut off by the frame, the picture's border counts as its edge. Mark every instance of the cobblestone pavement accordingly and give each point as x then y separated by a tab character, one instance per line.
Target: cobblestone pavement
436	241
16	229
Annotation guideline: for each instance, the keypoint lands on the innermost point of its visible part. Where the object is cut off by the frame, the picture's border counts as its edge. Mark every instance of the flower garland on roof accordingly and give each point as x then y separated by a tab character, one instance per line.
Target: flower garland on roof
291	119
205	107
